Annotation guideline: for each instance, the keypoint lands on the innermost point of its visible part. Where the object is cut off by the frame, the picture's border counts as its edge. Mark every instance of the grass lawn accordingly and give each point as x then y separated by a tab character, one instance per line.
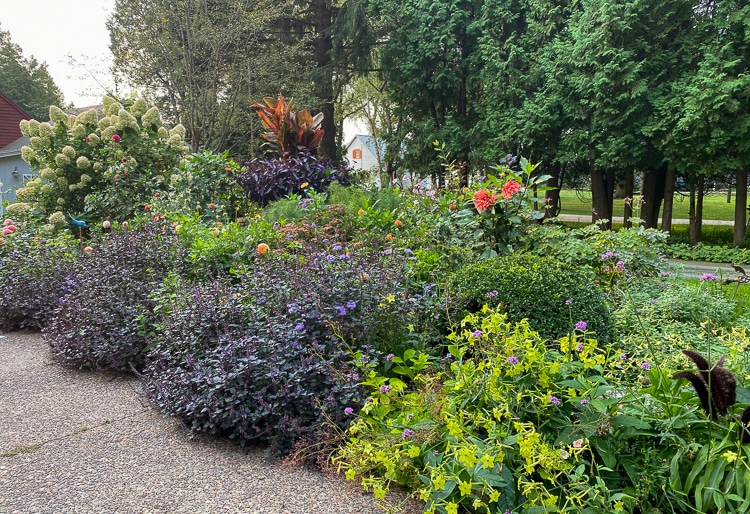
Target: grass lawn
715	206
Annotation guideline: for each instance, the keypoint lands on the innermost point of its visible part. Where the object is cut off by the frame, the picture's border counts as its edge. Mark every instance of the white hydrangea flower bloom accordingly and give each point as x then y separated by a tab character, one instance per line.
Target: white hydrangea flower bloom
62	182
126	120
139	108
85	179
57	218
151	118
162	133
23	193
93	139
178	129
69	151
78	131
37	143
175	141
48	174
33	128
28	155
83	163
46	130
24	126
89	117
61	201
18	209
105	122
107	133
57	115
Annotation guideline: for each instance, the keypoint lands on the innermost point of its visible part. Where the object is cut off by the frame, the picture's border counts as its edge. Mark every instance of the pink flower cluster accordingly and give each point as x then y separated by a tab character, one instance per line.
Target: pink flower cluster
483	200
510	188
10	228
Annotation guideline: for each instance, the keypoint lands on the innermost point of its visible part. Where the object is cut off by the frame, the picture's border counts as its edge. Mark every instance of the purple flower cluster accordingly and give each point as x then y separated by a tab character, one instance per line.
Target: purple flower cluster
581	325
407	433
554	400
708	276
492	294
385	389
579	347
348	411
646	366
476	334
512	360
389	357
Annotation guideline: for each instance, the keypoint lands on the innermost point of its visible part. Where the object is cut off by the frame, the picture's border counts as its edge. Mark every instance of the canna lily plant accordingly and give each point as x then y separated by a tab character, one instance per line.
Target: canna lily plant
290	132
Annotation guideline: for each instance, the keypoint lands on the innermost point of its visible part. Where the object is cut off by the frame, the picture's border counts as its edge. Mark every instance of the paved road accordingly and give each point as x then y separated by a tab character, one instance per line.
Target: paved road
90	443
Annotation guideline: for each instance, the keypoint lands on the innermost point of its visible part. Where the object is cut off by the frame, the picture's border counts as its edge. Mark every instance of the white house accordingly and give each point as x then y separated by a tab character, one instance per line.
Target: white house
362	153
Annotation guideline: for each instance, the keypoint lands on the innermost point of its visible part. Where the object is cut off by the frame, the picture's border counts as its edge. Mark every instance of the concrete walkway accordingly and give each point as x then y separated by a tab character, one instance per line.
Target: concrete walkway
82	442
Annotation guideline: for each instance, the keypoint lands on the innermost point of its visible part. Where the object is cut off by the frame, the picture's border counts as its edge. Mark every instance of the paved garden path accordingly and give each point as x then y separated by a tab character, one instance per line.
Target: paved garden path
81	442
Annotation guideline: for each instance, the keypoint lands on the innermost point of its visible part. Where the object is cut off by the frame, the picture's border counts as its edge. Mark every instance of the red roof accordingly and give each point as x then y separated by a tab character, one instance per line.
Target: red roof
10	116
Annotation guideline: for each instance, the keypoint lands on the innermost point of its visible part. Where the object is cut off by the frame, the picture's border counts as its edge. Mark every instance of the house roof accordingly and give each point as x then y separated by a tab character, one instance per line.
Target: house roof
14	148
368	142
10	116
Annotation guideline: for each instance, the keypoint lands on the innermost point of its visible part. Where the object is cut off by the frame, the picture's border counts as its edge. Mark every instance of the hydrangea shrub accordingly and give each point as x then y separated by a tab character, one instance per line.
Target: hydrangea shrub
106	166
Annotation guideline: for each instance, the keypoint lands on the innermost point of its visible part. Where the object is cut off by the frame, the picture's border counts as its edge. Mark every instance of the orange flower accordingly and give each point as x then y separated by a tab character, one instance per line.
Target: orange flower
483	200
389	237
212	205
262	249
147	208
510	188
360	212
88	249
452	206
215	231
156	195
398	223
117	176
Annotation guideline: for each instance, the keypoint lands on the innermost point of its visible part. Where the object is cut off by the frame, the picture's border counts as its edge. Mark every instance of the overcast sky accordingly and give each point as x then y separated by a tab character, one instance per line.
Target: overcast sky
70	36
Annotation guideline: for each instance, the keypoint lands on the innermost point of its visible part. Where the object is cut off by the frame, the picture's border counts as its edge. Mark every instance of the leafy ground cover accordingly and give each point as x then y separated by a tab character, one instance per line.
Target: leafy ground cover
447	342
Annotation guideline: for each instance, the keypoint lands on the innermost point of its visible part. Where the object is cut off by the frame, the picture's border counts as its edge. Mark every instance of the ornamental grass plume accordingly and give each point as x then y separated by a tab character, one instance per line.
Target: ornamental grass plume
483	200
716	386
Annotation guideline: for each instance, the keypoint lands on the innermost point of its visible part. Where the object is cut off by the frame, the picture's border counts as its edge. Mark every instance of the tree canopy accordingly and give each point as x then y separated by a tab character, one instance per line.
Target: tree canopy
26	81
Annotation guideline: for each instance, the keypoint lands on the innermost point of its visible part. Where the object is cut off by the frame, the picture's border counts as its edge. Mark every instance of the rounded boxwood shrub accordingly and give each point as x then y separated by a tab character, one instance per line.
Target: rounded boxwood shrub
535	288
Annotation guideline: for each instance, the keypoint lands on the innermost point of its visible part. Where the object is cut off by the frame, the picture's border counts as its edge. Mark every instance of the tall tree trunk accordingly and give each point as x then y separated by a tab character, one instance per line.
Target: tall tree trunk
552	196
652	192
669	183
627	190
324	82
740	207
696	207
602	195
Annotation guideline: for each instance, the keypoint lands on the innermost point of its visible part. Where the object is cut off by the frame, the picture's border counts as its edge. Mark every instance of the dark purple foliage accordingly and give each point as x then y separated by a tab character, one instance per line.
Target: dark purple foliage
32	280
267	180
100	322
269	356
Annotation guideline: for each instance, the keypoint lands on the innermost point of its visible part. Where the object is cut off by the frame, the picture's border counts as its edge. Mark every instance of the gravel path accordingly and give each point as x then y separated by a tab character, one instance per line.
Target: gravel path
78	442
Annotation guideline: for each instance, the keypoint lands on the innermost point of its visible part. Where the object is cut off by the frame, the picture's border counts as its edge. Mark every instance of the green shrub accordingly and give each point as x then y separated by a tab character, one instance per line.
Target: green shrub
108	167
533	288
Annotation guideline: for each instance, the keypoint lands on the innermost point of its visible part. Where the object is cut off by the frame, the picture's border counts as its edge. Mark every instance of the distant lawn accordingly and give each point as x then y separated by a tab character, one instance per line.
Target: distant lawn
715	206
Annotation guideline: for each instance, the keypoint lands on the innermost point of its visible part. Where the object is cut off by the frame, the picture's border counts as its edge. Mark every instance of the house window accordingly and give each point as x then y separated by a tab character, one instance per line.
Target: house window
26	177
357	153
